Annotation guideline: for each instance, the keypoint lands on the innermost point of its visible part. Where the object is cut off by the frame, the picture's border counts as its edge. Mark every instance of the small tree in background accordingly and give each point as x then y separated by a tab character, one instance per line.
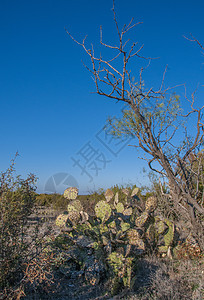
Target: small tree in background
156	120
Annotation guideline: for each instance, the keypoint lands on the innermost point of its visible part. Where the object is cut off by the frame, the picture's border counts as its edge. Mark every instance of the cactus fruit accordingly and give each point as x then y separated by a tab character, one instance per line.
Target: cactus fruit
151	204
71	193
108	195
142	220
61	220
103	210
120	207
135	192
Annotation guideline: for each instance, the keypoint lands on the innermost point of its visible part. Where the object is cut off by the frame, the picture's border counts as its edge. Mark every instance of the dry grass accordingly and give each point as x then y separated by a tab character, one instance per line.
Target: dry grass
169	279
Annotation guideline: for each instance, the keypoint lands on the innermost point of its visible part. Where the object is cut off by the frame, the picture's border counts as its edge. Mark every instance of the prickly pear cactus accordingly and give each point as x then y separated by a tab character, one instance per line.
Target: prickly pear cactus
169	236
124	226
120	207
135	239
135	192
128	211
108	195
122	229
61	220
71	208
71	193
103	211
126	191
74	217
77	205
142	220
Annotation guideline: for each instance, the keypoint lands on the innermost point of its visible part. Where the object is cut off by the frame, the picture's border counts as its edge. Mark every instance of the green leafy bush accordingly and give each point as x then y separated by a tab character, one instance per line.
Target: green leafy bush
17	198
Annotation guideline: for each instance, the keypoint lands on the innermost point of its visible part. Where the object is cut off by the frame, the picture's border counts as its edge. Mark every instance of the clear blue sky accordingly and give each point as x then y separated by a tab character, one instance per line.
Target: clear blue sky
48	113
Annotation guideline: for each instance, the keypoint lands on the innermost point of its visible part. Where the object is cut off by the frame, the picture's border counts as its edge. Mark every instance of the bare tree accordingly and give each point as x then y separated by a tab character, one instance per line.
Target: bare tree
155	119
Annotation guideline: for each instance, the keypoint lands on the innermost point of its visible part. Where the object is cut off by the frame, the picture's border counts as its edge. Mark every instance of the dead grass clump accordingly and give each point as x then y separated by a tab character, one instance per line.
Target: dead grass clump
169	280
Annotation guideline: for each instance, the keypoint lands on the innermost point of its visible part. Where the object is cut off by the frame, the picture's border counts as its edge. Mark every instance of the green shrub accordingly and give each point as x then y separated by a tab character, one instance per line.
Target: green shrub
17	198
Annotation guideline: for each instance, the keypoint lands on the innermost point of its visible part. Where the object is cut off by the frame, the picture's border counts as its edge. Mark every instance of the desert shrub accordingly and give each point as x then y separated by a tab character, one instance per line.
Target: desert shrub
17	198
56	201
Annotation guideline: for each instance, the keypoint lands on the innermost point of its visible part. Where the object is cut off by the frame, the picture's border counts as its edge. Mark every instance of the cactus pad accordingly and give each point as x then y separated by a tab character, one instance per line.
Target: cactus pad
160	226
103	210
127	211
109	195
169	236
135	192
77	205
71	208
124	226
135	239
71	193
61	220
142	220
126	191
74	217
120	207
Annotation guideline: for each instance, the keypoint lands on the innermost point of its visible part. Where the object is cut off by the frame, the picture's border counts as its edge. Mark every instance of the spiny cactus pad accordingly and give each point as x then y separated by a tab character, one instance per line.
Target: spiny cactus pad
128	211
71	193
126	191
135	192
120	207
169	236
160	226
142	220
109	195
61	220
135	239
103	210
124	226
74	217
71	208
77	205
